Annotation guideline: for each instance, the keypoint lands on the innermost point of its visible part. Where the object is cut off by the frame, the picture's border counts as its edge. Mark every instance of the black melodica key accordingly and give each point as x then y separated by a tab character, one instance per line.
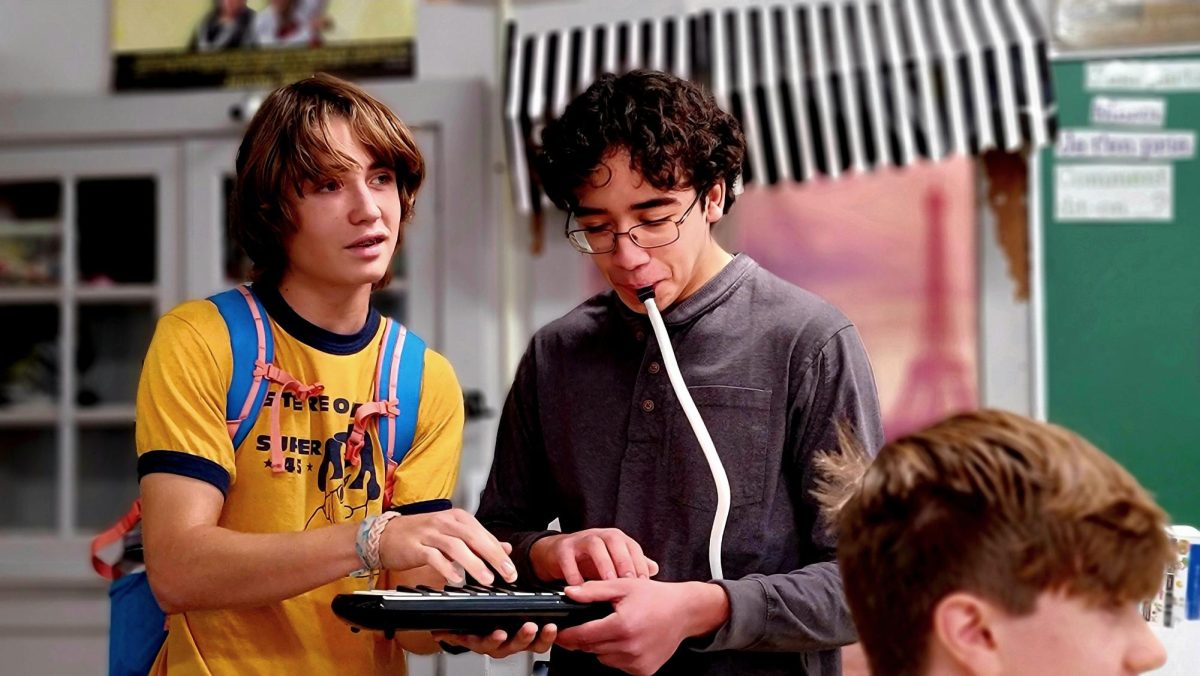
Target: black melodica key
543	588
514	590
491	590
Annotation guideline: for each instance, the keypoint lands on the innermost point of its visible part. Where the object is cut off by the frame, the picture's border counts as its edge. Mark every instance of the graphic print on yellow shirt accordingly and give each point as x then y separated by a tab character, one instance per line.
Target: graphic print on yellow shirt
181	430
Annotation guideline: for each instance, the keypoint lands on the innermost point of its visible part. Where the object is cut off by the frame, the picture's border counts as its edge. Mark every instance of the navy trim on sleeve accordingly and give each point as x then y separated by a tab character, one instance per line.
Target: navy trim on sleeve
184	464
423	507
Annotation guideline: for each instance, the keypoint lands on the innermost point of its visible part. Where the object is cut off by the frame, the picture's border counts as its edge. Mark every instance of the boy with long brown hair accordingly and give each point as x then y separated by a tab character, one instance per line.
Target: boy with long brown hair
246	543
991	544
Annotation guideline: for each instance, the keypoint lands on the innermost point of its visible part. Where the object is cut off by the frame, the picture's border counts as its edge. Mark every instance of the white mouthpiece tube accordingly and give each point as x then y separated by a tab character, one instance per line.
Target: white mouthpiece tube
706	444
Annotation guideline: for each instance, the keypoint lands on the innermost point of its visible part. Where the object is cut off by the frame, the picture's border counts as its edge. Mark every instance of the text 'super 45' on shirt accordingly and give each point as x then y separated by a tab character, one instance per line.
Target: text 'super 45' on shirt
593	435
181	429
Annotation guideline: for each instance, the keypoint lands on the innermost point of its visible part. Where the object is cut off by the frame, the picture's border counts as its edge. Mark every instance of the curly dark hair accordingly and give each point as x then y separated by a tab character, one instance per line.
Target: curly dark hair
674	132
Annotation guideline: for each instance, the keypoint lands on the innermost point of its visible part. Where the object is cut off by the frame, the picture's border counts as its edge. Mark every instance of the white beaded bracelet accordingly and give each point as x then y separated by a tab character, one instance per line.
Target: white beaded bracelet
366	543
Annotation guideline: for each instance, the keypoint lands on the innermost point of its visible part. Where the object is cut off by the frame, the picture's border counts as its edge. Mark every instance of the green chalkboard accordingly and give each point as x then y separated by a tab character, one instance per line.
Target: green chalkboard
1121	298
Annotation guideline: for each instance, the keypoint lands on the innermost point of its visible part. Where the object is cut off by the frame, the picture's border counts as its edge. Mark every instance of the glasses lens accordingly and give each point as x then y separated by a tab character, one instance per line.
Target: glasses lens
598	241
650	235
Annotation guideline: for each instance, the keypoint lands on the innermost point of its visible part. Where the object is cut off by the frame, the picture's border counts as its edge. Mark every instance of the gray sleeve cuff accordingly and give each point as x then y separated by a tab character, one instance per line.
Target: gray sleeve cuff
522	543
747	617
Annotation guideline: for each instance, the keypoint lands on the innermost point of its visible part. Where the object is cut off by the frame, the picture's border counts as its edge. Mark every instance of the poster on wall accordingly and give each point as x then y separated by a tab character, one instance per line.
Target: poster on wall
255	43
895	251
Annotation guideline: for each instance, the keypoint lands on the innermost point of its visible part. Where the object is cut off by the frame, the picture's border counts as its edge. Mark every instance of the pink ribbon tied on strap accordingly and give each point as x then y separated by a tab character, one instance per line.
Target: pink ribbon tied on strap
354	444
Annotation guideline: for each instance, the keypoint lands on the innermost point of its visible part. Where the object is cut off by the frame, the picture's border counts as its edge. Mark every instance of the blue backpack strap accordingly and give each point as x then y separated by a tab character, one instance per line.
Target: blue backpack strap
408	392
244	341
401	376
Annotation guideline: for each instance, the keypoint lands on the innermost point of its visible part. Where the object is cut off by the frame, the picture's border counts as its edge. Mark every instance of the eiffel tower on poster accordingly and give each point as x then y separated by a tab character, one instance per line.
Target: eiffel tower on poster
936	382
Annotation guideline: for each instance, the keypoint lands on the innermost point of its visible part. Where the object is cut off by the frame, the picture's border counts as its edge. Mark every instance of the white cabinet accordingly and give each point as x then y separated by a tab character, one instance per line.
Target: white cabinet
87	261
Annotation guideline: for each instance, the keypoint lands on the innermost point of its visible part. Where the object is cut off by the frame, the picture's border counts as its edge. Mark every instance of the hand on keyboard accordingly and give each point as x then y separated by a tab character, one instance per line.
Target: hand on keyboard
498	644
450	542
649	621
593	554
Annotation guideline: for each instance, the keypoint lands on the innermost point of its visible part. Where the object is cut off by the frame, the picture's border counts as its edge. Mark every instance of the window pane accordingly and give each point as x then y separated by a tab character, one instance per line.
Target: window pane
28	355
108	480
30	233
27	478
111	345
117	220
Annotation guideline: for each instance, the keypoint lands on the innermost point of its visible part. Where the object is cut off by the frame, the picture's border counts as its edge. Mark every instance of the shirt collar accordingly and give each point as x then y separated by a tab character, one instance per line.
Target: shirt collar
310	334
699	303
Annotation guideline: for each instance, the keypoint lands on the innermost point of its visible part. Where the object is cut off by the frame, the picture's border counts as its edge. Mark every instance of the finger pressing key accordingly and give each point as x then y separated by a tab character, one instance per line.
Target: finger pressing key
597	551
459	552
450	571
623	558
641	563
489	548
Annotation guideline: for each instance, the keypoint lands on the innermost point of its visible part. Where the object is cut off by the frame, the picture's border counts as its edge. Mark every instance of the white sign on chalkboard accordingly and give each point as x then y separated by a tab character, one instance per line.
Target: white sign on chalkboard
1126	145
1111	192
1181	75
1129	112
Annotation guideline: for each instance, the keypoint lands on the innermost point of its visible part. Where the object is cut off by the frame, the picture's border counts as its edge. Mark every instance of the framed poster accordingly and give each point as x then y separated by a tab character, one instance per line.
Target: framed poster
236	43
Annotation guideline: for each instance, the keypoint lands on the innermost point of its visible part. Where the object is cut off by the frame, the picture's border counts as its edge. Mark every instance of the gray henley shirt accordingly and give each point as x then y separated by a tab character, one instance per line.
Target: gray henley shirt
592	434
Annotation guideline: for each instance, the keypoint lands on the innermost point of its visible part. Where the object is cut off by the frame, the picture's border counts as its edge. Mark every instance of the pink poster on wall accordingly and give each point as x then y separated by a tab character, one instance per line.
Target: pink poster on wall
894	250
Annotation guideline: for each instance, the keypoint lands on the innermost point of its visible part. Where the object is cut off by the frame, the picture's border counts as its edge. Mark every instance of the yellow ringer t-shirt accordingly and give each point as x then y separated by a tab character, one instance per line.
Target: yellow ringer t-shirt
181	429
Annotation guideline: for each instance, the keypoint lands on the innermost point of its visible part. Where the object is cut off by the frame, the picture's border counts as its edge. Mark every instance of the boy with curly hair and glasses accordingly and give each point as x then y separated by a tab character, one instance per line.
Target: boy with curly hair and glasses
646	164
990	544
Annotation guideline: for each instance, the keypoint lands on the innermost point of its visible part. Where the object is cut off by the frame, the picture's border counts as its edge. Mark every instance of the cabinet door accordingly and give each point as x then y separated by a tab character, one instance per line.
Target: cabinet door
87	262
213	261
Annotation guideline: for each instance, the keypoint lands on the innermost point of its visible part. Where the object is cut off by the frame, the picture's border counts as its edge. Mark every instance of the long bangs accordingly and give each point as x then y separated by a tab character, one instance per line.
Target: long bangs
385	138
390	142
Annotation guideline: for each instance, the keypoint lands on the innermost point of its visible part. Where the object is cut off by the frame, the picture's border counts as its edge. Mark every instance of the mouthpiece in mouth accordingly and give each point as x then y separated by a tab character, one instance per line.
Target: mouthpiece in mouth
645	293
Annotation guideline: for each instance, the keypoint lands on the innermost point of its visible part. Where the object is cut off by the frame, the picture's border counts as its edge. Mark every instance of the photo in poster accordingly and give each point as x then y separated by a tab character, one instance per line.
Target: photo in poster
257	43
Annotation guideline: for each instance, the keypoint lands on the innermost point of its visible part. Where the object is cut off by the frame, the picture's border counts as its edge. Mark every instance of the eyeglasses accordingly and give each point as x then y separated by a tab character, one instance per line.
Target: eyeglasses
648	235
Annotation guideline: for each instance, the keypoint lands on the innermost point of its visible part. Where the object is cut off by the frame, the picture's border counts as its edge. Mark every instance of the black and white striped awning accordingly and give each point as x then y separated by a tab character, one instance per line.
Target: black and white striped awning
819	86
